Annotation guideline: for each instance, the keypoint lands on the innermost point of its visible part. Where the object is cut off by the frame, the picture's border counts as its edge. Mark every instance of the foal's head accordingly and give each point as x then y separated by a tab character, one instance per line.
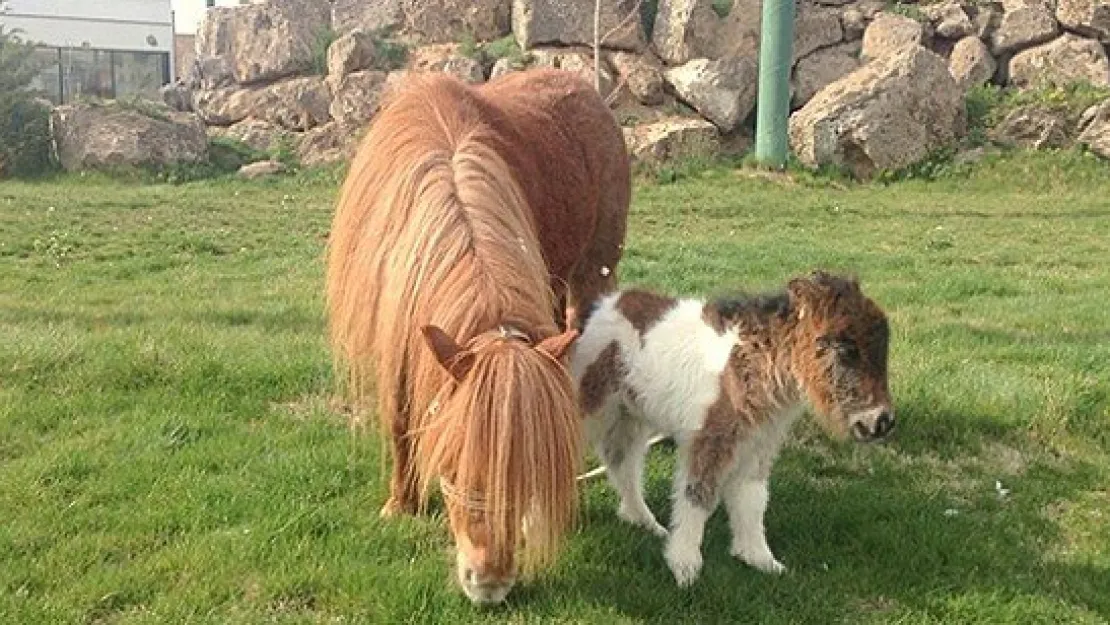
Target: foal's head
505	446
840	355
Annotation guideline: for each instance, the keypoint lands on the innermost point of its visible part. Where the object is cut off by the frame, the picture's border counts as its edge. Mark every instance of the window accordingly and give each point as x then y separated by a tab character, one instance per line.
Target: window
137	73
86	73
48	81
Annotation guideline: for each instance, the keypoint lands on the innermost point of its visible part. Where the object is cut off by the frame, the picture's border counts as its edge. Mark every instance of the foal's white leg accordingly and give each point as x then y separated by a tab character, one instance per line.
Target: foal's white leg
746	499
683	550
622	447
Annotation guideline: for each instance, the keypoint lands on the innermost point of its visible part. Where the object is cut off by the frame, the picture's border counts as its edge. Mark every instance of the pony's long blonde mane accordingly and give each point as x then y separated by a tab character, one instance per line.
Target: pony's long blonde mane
432	228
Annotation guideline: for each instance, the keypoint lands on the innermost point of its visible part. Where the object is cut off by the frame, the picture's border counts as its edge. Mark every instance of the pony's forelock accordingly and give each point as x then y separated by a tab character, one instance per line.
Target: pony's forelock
507	436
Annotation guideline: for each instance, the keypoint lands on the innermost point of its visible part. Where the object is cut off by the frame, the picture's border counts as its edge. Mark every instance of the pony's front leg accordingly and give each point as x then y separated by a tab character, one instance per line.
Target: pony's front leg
402	486
746	502
693	504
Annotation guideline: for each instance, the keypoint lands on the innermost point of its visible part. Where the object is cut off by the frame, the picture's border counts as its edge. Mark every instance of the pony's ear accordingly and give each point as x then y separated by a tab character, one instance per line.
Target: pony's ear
557	346
451	357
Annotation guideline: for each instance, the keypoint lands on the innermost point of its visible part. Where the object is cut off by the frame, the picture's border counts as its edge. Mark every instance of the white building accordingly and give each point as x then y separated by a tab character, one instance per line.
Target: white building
102	48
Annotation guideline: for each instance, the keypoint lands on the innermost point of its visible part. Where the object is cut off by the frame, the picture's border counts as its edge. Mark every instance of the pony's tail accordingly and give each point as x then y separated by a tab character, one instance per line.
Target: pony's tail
514	436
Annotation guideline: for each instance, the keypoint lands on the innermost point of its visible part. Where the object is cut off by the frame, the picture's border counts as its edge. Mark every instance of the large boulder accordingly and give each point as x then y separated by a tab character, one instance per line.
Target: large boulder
331	143
577	61
91	136
442	21
886	115
971	63
378	16
723	91
1096	134
357	97
178	96
571	23
672	139
641	74
1033	127
264	42
224	106
949	19
685	29
1068	59
1086	17
1024	25
815	29
890	34
351	52
295	104
446	58
822	68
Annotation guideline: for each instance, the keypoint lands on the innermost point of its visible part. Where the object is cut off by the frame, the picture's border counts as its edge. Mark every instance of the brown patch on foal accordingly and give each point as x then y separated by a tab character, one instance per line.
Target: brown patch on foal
744	402
643	309
601	378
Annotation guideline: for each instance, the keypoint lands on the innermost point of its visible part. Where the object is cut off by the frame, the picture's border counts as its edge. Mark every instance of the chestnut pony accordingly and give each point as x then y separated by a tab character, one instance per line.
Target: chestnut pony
466	217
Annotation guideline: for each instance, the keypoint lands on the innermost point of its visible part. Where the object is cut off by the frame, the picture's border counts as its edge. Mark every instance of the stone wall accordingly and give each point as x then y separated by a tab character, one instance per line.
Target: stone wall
874	85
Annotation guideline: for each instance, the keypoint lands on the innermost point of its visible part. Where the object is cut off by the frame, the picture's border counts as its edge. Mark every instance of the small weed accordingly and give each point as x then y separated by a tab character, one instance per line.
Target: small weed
324	38
389	54
722	7
911	11
490	52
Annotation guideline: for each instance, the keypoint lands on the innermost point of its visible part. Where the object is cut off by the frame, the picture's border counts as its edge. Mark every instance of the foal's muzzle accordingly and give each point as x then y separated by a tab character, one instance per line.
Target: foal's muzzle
872	425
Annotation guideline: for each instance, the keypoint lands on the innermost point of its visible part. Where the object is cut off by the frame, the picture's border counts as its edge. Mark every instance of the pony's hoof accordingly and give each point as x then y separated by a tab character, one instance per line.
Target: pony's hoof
684	567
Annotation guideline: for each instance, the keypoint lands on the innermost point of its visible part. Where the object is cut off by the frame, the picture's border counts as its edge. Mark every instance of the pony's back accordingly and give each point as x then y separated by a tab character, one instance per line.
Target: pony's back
419	238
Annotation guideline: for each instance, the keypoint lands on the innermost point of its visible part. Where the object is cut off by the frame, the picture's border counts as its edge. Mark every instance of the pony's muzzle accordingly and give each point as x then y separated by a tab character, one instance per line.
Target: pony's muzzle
873	425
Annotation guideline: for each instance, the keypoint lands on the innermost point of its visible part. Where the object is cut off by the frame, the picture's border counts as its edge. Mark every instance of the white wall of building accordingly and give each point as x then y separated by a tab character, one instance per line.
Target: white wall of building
134	25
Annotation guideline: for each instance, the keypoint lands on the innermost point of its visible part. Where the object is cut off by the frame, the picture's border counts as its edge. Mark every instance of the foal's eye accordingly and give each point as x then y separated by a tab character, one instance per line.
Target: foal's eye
846	349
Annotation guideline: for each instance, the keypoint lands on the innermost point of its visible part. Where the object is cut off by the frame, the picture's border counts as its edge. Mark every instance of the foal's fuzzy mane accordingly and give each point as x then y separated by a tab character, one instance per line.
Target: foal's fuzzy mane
433	228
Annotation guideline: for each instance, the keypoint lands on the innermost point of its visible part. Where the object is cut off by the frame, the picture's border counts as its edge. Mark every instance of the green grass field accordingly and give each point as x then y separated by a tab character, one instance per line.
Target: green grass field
170	451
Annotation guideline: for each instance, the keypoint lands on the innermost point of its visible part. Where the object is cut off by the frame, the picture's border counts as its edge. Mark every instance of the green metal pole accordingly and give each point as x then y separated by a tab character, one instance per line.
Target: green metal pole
776	51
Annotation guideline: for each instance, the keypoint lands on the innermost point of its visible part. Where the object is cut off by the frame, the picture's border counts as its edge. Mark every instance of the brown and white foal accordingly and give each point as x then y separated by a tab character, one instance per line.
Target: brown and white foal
726	379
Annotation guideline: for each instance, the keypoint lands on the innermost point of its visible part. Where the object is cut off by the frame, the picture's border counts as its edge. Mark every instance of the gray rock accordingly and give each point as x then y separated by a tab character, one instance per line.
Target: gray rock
1032	127
723	91
890	113
1024	26
1086	17
1067	59
822	68
261	169
890	34
971	63
1096	135
642	76
672	139
357	98
263	42
93	136
571	23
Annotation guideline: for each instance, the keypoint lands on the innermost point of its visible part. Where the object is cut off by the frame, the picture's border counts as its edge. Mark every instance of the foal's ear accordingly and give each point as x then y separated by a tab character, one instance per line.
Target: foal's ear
451	357
557	346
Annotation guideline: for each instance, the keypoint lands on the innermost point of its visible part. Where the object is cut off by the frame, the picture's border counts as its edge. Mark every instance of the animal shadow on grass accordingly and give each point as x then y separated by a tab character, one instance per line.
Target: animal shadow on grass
863	530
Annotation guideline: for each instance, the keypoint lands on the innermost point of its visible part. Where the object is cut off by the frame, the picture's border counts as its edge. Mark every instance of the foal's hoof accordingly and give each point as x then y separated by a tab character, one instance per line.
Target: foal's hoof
684	566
